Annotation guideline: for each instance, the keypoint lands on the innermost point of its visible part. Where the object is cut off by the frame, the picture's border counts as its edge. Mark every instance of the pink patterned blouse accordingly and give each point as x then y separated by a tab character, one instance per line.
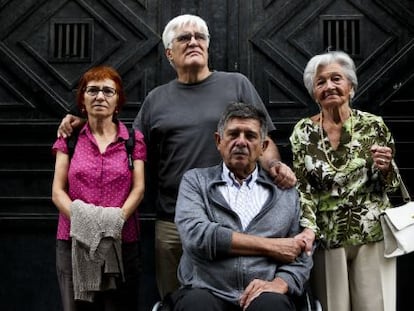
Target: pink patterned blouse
102	179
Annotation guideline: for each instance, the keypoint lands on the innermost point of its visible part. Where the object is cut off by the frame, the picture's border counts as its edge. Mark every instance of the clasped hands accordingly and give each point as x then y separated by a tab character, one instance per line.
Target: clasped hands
284	250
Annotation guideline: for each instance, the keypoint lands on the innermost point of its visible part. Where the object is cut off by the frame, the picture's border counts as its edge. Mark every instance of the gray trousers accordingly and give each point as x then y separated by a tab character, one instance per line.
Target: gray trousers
125	297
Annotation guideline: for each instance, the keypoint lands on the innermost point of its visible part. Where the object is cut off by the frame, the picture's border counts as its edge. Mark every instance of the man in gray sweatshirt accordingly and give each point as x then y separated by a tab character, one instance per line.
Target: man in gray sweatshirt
237	228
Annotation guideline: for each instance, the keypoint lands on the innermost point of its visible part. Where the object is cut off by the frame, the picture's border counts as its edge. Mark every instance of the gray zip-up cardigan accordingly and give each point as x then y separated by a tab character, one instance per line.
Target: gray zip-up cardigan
205	223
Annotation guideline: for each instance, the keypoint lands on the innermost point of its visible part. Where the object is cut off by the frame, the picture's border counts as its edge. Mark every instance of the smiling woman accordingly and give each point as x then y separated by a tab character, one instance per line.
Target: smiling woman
342	161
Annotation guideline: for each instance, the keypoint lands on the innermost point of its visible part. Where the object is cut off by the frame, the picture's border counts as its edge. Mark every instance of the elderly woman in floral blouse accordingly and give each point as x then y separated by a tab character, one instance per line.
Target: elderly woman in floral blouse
343	159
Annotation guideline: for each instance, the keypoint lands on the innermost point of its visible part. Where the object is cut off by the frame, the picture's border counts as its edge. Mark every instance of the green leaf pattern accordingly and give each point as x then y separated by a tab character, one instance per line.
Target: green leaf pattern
343	207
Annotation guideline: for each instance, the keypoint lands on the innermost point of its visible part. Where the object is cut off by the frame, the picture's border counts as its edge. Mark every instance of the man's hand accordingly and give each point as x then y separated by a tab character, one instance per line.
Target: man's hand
256	287
69	122
282	175
285	250
308	237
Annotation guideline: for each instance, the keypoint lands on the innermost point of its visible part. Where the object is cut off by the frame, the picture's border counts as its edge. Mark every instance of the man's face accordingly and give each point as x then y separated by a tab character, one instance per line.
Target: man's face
241	145
189	48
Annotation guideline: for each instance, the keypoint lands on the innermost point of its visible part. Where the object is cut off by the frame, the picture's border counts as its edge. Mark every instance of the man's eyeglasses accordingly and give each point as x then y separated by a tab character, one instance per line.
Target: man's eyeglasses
186	37
106	90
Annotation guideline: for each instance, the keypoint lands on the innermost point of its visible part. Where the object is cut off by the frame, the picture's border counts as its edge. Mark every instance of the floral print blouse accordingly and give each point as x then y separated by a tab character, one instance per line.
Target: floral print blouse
343	206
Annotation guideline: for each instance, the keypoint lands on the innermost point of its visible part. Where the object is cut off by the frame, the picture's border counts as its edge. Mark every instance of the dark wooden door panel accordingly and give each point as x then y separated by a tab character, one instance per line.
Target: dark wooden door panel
46	45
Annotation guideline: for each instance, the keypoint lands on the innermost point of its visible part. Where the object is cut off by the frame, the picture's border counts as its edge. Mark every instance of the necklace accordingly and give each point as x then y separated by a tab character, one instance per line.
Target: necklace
343	167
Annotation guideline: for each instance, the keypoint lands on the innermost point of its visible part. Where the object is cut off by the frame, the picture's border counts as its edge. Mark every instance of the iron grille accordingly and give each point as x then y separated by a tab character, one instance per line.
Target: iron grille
342	34
71	41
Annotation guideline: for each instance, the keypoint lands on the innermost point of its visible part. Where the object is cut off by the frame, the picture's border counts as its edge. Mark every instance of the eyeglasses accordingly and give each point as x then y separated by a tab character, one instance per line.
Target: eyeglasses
186	37
106	90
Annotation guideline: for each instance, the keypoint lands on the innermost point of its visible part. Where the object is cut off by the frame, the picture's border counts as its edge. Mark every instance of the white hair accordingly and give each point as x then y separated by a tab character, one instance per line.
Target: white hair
334	57
180	21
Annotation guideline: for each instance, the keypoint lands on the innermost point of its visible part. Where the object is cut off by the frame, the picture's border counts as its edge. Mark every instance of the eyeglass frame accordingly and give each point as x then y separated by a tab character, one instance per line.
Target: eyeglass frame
186	37
103	90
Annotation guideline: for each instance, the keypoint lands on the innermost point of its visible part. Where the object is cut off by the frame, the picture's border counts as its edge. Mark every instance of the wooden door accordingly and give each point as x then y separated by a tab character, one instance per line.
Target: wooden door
46	45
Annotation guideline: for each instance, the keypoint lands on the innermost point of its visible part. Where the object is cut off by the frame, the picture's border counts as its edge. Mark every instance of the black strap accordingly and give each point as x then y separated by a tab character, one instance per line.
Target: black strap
72	140
129	145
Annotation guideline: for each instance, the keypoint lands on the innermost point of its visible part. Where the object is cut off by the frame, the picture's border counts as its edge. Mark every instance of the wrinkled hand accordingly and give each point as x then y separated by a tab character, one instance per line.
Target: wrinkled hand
256	287
282	175
69	122
382	157
286	250
308	237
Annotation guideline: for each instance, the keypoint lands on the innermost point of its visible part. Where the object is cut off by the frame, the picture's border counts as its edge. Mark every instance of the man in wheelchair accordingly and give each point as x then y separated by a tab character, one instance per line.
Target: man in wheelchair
237	228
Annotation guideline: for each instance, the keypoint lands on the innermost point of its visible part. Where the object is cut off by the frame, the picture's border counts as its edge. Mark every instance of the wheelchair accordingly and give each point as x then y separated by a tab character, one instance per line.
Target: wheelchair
306	302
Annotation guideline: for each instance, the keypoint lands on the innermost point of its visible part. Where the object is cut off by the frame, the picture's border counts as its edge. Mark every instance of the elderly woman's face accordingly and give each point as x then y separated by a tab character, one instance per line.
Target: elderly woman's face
331	86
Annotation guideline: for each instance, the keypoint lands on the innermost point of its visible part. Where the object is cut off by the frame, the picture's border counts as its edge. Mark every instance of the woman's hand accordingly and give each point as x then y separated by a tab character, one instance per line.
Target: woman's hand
308	237
382	157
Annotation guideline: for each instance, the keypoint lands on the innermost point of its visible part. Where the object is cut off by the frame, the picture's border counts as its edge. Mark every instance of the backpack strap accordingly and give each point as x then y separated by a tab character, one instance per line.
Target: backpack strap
130	145
71	142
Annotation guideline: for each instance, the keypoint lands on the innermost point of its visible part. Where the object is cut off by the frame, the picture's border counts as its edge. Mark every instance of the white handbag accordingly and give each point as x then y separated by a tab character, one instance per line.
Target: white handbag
398	225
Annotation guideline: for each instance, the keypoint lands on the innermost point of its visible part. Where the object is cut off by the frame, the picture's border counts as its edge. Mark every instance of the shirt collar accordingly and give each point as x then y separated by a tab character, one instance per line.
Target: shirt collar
122	134
230	179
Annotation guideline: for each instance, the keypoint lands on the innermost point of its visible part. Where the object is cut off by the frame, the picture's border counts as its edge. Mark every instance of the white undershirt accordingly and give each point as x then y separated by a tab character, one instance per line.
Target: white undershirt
256	195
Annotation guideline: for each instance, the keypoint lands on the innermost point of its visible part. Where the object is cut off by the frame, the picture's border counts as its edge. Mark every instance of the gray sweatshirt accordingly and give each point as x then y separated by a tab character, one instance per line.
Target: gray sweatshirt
205	222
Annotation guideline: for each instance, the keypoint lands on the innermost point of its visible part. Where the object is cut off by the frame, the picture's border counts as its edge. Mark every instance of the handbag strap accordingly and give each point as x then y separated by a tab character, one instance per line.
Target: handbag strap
404	192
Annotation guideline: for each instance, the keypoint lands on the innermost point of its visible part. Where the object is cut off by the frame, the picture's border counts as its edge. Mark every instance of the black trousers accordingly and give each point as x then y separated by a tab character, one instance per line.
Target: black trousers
125	297
189	299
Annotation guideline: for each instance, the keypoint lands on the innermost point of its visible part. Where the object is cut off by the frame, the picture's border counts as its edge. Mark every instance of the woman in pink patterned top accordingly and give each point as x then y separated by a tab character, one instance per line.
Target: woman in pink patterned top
98	174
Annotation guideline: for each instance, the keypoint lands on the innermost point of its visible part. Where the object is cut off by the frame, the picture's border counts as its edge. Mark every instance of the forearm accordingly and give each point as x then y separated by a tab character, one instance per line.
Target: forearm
132	202
60	196
248	245
281	173
62	201
137	192
270	155
283	250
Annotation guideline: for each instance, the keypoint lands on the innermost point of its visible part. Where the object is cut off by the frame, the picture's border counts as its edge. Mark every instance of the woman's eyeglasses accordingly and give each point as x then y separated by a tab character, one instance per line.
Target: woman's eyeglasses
106	90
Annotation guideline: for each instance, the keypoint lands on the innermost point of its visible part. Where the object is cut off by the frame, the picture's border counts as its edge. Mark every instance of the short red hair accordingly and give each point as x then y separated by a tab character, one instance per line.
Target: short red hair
100	73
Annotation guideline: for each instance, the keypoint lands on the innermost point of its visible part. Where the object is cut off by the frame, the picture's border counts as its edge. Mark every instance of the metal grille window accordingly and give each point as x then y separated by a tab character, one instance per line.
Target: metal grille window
71	41
341	33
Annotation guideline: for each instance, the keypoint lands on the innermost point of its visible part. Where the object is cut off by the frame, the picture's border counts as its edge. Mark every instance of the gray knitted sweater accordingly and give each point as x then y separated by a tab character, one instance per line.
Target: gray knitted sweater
96	248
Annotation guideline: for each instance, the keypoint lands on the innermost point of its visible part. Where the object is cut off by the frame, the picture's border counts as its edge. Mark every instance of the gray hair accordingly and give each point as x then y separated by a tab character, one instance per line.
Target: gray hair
170	30
242	111
338	57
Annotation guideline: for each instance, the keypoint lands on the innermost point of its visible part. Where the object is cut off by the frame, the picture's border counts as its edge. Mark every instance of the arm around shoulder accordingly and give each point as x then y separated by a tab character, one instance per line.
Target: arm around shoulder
68	124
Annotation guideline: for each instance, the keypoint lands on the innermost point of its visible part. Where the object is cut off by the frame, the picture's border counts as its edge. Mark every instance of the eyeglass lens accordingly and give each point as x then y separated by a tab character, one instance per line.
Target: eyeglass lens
186	37
106	90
